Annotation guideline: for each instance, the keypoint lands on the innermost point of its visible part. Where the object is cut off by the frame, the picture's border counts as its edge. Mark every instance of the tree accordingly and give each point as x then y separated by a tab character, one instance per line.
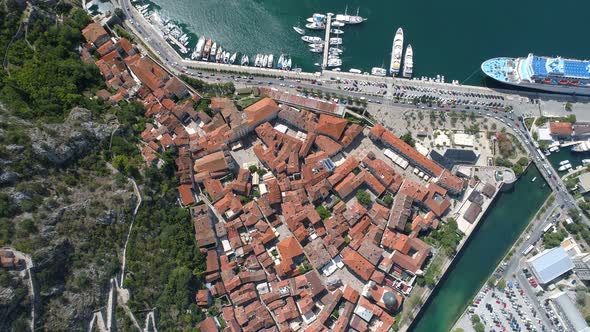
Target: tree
363	197
568	106
407	137
120	13
323	212
523	161
388	200
501	284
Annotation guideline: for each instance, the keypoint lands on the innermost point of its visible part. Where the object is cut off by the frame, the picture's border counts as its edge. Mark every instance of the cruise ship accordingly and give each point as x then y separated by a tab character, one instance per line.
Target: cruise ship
553	74
408	62
396	52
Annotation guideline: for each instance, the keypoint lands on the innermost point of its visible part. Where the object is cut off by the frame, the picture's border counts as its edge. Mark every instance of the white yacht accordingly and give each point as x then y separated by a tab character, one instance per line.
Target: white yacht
270	61
219	55
335	41
408	62
564	162
335	50
257	60
317	18
396	52
334	62
213	51
565	167
281	61
585	162
264	61
350	19
245	60
377	71
312	39
232	59
354	71
582	147
338	24
336	31
316	26
198	52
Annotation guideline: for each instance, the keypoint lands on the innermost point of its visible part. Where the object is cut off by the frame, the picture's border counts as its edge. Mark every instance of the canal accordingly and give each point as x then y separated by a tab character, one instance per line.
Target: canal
497	231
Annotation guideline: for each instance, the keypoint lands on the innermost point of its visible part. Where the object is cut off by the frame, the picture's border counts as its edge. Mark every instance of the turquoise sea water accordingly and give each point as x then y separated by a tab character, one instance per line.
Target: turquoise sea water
451	38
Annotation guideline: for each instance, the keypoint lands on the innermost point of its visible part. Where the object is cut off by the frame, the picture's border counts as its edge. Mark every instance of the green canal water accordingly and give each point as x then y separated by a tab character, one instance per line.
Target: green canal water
566	153
497	231
450	38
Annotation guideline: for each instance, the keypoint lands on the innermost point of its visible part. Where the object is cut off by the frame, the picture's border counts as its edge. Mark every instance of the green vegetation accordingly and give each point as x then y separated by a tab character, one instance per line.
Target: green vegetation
433	272
568	106
477	324
363	197
505	145
472	129
578	229
447	237
221	89
518	168
323	212
387	200
245	102
543	120
123	33
407	137
47	79
553	239
170	278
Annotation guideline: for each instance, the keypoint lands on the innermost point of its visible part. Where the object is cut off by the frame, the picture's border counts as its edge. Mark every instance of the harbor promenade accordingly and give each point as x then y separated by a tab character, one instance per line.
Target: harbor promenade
327	41
161	48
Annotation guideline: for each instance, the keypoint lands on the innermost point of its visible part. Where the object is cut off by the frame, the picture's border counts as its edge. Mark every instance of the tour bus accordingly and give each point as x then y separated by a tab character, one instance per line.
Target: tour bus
547	228
528	250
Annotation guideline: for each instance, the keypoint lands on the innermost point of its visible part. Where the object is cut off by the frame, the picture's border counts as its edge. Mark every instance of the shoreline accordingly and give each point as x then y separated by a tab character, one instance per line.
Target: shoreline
516	243
450	262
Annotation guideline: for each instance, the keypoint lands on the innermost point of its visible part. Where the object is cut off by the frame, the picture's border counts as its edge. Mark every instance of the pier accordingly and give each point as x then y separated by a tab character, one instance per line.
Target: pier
327	41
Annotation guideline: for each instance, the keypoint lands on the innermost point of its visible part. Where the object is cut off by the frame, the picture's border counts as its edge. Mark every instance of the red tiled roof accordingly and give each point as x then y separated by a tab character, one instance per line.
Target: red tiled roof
331	126
260	111
357	263
289	248
186	194
94	32
408	151
560	128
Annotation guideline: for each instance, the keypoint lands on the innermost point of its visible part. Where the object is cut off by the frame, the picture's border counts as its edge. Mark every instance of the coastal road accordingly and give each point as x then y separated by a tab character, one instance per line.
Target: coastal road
173	61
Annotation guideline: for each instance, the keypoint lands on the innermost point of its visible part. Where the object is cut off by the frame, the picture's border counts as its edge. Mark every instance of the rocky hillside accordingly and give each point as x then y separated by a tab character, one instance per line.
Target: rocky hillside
62	204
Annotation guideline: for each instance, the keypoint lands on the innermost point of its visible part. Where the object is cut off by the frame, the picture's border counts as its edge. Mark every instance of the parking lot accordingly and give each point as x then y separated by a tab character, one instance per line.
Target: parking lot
507	310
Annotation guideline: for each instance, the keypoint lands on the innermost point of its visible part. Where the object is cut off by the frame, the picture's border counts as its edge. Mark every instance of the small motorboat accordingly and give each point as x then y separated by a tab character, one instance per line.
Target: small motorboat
299	30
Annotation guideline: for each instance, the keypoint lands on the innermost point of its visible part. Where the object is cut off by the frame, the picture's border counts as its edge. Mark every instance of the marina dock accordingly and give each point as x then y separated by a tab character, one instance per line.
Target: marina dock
327	41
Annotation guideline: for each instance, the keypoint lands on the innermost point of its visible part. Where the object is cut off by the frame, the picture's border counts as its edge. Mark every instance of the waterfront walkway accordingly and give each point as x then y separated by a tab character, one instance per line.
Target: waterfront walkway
327	41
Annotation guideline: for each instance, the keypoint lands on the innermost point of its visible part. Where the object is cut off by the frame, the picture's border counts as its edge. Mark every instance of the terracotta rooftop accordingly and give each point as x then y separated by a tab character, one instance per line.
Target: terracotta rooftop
262	110
299	101
357	263
560	128
331	126
95	33
186	194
